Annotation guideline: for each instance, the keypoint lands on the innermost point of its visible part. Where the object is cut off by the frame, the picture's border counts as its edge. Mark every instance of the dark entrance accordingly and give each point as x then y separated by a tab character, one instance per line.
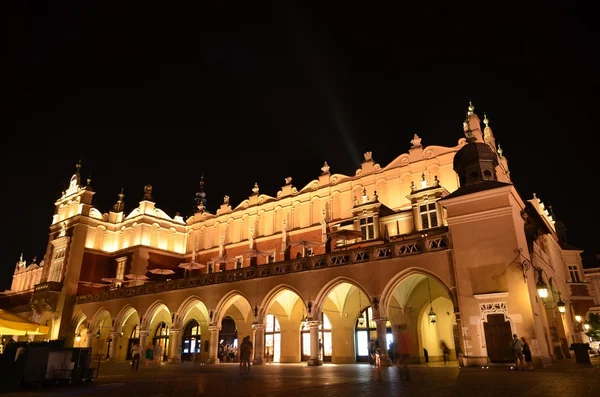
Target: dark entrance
227	337
497	338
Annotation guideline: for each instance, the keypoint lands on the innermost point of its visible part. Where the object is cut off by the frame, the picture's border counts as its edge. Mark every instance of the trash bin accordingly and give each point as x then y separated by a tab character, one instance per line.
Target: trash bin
581	350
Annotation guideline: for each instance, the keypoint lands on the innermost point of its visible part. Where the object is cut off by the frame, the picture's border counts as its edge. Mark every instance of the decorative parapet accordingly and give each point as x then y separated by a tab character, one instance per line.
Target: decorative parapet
413	246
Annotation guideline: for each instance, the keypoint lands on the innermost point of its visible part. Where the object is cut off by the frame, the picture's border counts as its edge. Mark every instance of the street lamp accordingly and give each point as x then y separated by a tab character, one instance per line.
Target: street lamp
432	315
578	318
586	327
541	285
562	308
78	337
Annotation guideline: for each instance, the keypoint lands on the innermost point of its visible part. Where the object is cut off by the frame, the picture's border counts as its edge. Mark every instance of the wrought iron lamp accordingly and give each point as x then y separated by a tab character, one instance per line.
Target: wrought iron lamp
562	308
78	337
432	315
541	285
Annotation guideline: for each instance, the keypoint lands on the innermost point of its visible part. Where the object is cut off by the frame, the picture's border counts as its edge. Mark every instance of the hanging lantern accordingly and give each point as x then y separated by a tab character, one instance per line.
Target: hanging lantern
541	286
361	319
432	315
98	334
78	337
561	306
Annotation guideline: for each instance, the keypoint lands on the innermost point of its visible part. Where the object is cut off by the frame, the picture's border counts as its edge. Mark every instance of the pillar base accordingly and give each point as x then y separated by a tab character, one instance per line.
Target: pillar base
257	361
213	361
313	362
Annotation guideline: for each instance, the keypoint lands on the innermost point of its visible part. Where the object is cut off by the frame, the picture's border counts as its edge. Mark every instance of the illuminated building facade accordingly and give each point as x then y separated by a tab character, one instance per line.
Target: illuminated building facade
438	241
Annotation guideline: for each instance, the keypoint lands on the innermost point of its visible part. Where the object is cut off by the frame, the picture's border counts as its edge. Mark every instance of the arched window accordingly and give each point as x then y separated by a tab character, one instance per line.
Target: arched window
161	337
192	341
272	339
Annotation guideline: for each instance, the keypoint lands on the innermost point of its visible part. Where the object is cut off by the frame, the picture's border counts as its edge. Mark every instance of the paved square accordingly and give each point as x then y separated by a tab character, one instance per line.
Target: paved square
116	379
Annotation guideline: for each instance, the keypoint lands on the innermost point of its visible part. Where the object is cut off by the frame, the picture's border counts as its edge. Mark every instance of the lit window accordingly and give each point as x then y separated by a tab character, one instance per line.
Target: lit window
238	262
367	228
574	273
120	269
210	267
308	251
271	258
429	217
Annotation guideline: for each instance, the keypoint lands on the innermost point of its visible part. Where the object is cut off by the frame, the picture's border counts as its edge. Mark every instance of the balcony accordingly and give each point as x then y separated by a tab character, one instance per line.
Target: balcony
45	296
406	247
48	286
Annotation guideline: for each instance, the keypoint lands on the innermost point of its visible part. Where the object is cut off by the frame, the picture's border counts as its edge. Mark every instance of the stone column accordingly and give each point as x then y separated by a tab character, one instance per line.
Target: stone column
213	348
143	344
382	339
114	336
315	358
259	343
174	343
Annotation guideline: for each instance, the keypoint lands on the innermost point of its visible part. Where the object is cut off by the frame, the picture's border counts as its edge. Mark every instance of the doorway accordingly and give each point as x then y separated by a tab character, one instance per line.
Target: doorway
272	339
326	342
498	335
365	330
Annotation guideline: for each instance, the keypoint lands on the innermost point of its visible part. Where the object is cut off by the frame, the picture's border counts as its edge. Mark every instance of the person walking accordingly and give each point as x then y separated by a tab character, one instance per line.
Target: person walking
527	354
516	345
445	351
246	349
135	357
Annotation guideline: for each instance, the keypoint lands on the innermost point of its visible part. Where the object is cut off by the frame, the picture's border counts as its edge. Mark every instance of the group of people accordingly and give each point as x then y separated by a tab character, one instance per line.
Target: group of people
154	354
521	353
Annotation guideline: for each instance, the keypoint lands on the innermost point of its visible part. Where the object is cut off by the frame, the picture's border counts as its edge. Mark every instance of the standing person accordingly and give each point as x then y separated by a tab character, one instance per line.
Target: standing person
445	350
402	351
371	350
158	353
246	349
149	355
527	354
135	356
516	345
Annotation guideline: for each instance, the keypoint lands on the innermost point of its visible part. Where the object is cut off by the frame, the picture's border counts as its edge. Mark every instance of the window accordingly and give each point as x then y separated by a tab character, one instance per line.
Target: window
428	216
57	265
210	267
121	269
271	258
574	273
308	252
367	228
239	262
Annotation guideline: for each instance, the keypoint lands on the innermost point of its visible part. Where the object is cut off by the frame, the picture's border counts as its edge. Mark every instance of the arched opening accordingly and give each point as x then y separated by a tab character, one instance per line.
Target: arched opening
325	340
272	339
191	341
195	338
235	317
287	308
411	301
81	332
159	330
101	342
161	338
129	327
134	337
228	340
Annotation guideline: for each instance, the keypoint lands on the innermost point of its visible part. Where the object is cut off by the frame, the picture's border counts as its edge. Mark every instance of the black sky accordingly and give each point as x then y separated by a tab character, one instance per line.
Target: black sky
160	93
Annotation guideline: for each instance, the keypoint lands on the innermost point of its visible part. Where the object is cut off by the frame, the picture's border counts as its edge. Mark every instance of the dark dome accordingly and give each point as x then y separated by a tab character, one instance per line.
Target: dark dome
471	153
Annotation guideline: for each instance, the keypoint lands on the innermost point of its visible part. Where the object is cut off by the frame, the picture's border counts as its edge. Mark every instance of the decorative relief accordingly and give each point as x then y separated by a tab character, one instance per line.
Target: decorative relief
404	159
334	180
315	186
428	153
358	172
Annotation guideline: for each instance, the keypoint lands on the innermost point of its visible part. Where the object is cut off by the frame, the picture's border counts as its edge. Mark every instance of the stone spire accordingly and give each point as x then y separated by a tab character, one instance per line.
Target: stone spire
200	199
120	204
488	135
472	125
475	162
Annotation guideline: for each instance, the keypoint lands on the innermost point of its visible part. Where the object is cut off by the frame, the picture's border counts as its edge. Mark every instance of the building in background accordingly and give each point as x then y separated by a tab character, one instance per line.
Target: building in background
438	241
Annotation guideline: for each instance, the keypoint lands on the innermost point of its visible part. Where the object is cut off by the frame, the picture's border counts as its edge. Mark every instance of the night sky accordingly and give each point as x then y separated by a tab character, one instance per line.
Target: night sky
158	93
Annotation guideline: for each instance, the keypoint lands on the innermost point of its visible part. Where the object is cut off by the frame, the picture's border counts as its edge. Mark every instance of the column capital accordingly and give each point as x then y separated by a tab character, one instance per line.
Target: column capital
258	326
115	334
380	319
213	328
314	323
174	330
144	333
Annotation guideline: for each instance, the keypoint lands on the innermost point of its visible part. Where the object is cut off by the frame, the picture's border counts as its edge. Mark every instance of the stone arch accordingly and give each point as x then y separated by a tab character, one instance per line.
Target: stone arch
388	290
96	317
317	305
185	307
150	313
78	318
272	296
225	303
124	314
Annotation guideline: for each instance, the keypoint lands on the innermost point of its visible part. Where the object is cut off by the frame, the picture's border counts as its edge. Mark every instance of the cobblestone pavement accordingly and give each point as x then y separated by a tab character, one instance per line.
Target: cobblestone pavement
116	379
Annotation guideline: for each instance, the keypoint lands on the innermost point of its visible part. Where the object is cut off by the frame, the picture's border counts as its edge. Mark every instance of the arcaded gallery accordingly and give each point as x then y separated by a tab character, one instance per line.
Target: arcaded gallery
438	243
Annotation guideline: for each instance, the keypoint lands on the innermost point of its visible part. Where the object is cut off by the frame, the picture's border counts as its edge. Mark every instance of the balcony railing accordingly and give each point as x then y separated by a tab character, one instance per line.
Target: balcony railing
48	286
403	248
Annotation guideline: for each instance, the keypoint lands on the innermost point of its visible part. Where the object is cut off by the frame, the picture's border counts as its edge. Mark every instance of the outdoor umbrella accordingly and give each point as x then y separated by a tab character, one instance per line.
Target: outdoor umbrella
255	253
11	324
161	271
345	234
92	284
306	244
136	277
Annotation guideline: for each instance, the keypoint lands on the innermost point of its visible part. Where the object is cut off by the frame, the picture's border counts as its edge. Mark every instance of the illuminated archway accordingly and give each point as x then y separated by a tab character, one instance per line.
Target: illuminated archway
409	299
99	332
127	324
342	300
158	322
80	325
234	317
192	318
283	313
